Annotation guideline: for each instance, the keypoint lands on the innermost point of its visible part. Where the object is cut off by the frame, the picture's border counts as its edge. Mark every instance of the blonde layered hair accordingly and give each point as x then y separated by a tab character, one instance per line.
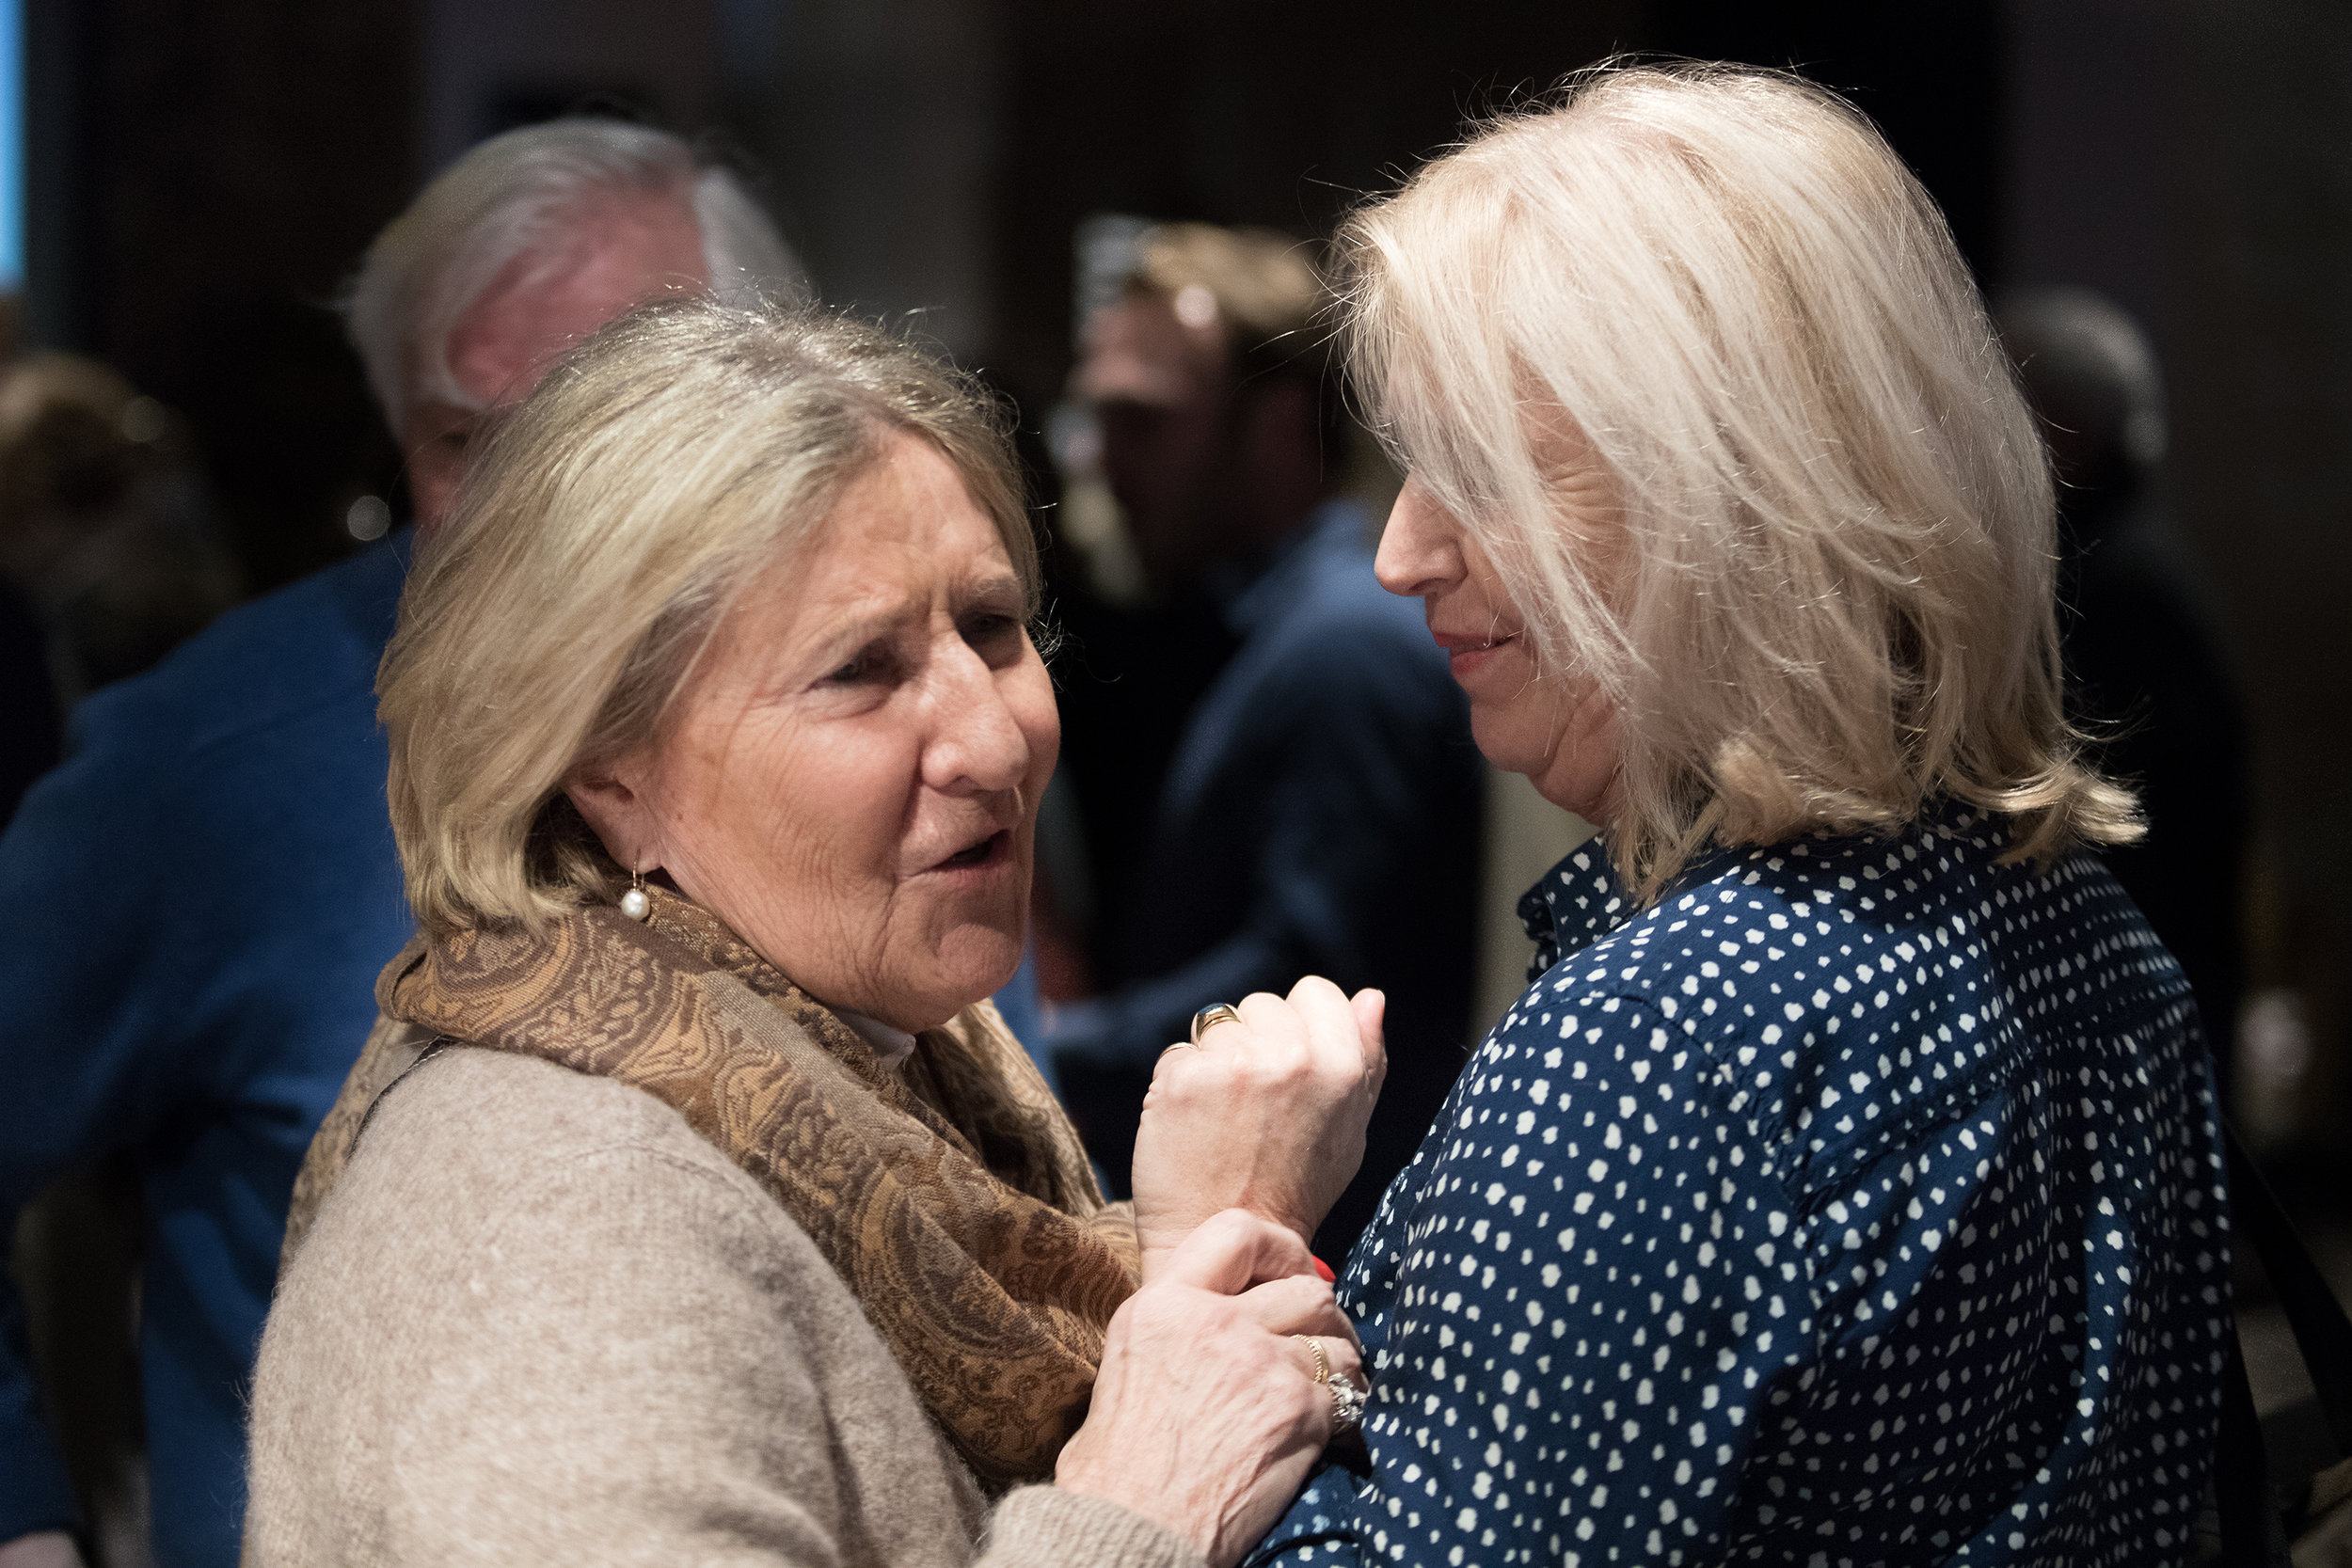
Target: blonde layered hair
603	537
1832	602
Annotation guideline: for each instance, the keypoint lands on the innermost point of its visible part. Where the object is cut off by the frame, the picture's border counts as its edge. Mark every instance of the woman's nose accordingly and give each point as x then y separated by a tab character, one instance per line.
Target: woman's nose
978	746
1421	548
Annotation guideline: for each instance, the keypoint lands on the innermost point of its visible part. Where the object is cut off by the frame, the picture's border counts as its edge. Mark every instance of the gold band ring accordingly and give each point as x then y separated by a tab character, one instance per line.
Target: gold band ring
1323	1362
1211	1016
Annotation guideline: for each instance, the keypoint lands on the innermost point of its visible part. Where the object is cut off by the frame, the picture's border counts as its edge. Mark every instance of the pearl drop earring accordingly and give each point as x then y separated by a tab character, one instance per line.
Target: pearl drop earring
634	903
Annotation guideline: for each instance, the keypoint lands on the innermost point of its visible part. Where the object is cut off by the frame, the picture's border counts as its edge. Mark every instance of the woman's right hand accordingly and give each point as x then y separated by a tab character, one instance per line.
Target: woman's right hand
1206	1415
1266	1114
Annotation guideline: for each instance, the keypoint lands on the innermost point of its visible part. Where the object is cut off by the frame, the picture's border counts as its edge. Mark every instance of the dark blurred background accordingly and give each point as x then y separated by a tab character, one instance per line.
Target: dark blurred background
199	176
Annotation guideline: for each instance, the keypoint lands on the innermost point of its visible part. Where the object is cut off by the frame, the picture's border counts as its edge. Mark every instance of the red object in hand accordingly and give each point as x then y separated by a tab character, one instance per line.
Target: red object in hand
1323	1271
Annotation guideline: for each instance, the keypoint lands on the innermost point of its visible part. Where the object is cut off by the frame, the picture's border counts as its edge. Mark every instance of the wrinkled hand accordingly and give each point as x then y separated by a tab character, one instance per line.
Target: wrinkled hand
1206	1415
1267	1114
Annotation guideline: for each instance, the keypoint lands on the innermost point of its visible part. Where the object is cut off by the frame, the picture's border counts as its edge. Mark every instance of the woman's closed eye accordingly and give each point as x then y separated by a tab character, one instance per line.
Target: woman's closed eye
993	634
868	665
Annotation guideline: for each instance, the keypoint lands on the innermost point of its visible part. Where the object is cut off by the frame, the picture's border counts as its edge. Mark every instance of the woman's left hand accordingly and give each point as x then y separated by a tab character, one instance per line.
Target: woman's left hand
1266	1113
1207	1414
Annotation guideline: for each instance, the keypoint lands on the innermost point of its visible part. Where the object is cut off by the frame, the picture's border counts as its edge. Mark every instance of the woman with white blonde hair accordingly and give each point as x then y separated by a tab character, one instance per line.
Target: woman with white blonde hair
1845	1187
692	1203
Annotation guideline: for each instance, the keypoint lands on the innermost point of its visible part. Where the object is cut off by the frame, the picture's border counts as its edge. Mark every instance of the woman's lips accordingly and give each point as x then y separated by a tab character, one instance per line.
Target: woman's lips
1467	655
996	848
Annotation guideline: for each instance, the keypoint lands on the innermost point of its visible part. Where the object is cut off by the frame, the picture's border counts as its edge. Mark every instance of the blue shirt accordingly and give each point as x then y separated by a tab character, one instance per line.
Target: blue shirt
1858	1202
1321	817
193	911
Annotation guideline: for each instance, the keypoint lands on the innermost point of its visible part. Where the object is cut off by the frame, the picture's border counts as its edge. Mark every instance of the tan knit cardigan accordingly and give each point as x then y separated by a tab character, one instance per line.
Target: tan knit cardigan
540	1319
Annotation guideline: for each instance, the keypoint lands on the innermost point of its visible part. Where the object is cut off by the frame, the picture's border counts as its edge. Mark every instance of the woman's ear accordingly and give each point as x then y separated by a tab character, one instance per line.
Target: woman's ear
613	802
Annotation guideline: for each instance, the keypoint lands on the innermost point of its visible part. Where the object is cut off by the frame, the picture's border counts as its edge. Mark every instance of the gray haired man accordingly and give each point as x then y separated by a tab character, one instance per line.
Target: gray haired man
194	907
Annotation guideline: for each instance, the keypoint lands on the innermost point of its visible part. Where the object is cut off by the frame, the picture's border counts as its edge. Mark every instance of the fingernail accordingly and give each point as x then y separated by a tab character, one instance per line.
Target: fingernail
1322	1269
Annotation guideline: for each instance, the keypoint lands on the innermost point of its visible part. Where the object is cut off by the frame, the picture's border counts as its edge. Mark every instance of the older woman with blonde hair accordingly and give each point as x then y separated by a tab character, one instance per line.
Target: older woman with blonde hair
1844	1188
692	1203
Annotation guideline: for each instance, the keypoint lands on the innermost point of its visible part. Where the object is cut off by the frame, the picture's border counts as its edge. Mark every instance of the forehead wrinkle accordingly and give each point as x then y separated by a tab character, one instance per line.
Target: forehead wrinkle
978	586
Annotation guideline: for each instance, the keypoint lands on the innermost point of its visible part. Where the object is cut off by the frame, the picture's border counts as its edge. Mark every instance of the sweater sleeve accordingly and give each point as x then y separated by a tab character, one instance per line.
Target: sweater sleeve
622	1353
1043	1526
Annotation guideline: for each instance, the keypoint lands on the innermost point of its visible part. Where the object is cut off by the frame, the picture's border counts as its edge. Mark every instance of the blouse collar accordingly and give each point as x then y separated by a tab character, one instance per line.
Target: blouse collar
894	1046
1577	903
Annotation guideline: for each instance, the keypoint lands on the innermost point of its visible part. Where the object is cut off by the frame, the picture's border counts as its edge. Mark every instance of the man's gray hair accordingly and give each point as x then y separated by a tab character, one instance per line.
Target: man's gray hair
506	197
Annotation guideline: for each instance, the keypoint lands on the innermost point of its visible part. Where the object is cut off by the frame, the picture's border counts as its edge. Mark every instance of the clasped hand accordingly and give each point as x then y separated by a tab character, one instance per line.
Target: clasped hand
1206	1414
1266	1113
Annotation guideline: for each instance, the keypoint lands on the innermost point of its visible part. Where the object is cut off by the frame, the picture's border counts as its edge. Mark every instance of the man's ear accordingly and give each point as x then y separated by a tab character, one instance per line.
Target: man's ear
616	806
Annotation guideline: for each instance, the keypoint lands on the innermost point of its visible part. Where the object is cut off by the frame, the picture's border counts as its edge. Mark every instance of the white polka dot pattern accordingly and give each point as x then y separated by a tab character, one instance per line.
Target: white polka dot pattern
1860	1203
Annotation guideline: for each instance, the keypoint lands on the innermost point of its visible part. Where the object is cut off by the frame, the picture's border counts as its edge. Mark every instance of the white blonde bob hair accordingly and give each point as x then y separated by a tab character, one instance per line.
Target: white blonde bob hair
515	194
1832	602
604	534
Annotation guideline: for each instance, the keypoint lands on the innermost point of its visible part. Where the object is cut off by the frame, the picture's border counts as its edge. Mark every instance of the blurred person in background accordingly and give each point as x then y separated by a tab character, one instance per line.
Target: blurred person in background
2146	661
106	550
200	900
31	733
108	559
102	523
1321	811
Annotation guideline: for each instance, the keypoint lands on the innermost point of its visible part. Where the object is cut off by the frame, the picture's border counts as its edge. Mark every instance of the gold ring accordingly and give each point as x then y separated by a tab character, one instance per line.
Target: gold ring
1323	1362
1211	1016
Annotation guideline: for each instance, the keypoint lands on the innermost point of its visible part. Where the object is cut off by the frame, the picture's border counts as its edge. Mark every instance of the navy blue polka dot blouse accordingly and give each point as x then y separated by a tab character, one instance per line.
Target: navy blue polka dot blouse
1859	1202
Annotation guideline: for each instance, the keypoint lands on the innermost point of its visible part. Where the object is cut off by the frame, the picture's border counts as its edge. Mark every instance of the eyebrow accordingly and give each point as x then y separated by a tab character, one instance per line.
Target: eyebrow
1003	582
861	629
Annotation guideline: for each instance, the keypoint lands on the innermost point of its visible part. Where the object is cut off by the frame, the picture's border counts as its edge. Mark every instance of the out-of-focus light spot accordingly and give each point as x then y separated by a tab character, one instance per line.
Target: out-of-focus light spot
369	517
143	421
1196	307
2272	1096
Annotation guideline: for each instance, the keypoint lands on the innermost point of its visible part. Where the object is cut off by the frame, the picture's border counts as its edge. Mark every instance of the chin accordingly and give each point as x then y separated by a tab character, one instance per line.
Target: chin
977	961
1507	745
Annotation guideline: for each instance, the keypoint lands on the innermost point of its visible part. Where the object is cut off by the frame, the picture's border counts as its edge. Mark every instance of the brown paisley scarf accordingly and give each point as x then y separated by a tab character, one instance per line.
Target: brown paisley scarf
950	1195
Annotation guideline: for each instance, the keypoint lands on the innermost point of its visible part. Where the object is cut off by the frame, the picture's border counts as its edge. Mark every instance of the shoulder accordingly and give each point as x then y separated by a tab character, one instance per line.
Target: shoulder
529	1285
1848	989
473	1139
494	1198
278	658
1753	924
1769	965
206	811
263	725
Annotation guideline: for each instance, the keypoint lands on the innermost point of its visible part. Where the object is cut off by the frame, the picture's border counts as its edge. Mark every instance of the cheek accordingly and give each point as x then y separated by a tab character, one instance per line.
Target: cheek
1511	730
1515	718
841	807
763	809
